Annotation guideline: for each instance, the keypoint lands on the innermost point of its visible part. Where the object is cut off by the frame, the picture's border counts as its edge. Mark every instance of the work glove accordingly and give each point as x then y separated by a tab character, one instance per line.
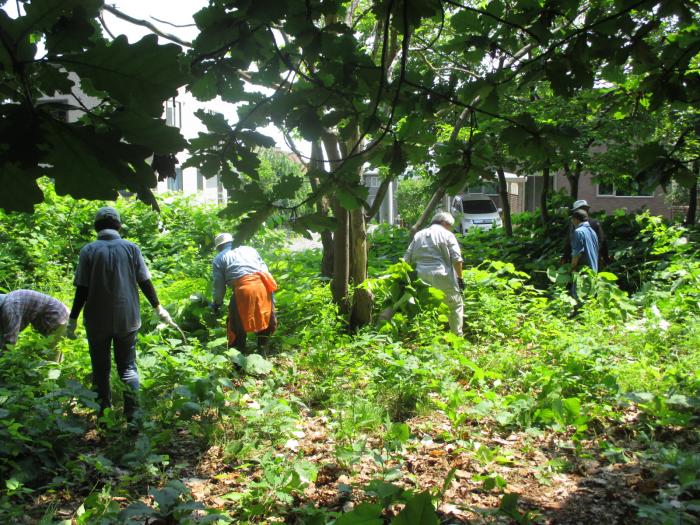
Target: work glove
70	328
460	283
164	315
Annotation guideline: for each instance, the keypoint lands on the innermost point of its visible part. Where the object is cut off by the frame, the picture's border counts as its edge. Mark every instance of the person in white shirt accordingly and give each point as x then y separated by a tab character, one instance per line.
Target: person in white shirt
435	254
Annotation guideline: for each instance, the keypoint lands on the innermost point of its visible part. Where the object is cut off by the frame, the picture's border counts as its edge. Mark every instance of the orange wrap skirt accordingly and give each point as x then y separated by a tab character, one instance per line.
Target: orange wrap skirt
253	296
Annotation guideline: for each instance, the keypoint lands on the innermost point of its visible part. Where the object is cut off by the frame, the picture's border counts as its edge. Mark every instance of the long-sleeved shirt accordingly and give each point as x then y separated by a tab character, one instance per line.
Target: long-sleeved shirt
22	307
584	242
111	268
433	251
231	264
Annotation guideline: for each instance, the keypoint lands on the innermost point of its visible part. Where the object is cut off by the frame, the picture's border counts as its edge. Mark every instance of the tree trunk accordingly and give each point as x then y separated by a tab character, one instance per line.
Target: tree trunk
327	257
362	298
691	216
544	213
505	203
341	259
323	208
434	201
573	177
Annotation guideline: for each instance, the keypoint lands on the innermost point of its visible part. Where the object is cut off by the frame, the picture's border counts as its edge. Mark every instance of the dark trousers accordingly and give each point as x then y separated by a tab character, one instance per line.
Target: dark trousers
125	358
236	326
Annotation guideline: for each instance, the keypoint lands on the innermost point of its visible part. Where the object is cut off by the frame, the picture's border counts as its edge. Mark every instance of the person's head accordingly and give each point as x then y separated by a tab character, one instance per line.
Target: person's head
222	240
579	216
444	219
107	218
580	204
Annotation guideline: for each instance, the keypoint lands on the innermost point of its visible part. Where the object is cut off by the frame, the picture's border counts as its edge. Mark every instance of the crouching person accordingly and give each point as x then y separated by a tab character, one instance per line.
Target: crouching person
108	277
251	308
20	308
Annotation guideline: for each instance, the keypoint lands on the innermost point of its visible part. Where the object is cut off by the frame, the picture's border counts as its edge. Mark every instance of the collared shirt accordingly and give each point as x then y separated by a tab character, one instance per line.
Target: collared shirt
433	251
231	264
21	307
584	242
111	269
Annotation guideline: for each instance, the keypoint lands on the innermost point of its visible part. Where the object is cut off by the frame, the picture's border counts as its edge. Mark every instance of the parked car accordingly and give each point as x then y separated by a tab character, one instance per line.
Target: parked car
475	210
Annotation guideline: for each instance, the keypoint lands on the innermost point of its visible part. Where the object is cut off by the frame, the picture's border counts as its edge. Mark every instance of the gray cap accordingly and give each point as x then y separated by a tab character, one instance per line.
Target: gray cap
107	212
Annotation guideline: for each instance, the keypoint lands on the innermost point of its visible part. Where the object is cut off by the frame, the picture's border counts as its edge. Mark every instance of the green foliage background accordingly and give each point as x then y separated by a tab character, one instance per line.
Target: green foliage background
525	367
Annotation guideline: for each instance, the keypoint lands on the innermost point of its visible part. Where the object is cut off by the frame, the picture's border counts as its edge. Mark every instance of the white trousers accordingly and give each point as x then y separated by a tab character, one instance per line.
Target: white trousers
453	298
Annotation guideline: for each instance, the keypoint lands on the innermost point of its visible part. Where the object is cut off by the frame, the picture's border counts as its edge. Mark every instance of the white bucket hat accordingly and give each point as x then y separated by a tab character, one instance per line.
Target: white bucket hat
222	239
581	203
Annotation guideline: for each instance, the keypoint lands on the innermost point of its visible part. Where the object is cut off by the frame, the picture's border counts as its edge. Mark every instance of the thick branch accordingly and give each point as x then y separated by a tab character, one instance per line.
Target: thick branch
381	193
145	23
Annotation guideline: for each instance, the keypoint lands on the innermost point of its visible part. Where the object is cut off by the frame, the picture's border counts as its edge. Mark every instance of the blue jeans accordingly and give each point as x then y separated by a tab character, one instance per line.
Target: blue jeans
125	358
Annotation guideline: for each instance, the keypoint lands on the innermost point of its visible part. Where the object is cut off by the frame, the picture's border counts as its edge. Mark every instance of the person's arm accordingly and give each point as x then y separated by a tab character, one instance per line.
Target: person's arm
577	248
10	322
574	261
408	256
149	292
219	285
455	253
81	295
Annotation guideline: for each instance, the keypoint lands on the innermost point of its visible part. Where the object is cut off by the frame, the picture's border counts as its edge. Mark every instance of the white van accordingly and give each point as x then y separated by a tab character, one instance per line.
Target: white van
475	210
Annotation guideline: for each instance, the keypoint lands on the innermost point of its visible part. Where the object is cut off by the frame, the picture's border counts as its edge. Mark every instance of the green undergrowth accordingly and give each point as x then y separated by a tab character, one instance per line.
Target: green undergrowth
615	380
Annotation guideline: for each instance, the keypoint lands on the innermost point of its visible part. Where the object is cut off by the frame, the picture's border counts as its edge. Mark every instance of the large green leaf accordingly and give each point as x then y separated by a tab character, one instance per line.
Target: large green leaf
418	511
41	15
148	131
363	514
140	76
25	190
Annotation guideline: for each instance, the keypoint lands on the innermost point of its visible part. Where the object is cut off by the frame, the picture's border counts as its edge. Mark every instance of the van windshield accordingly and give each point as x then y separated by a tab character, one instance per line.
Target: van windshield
480	206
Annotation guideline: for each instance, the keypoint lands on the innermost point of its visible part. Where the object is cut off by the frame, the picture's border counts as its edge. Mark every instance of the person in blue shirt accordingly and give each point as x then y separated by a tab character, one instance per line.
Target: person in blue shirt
584	245
252	307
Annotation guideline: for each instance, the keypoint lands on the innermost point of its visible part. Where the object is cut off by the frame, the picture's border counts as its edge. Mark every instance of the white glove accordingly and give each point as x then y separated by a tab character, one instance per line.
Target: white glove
164	315
70	328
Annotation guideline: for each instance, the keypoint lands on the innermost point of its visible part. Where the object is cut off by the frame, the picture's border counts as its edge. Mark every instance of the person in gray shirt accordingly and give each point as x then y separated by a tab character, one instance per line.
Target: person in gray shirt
109	273
20	308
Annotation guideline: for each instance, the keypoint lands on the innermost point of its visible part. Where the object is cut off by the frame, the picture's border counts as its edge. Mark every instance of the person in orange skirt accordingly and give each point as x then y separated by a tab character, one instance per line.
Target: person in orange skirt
251	308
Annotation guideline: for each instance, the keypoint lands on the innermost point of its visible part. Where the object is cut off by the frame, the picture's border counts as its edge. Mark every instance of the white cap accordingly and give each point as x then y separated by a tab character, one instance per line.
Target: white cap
222	239
581	203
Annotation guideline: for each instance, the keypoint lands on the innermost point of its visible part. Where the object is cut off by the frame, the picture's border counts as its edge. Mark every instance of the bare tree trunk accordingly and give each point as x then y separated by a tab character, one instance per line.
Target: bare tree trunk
544	213
323	208
691	216
381	193
341	259
505	203
573	177
362	298
434	201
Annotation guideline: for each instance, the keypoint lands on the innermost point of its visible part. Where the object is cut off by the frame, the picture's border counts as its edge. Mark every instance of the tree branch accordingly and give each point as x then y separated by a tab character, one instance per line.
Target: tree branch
145	23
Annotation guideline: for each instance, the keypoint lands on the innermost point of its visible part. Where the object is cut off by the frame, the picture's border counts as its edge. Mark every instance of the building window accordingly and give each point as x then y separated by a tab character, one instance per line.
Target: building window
173	113
58	108
514	188
626	190
175	184
372	181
